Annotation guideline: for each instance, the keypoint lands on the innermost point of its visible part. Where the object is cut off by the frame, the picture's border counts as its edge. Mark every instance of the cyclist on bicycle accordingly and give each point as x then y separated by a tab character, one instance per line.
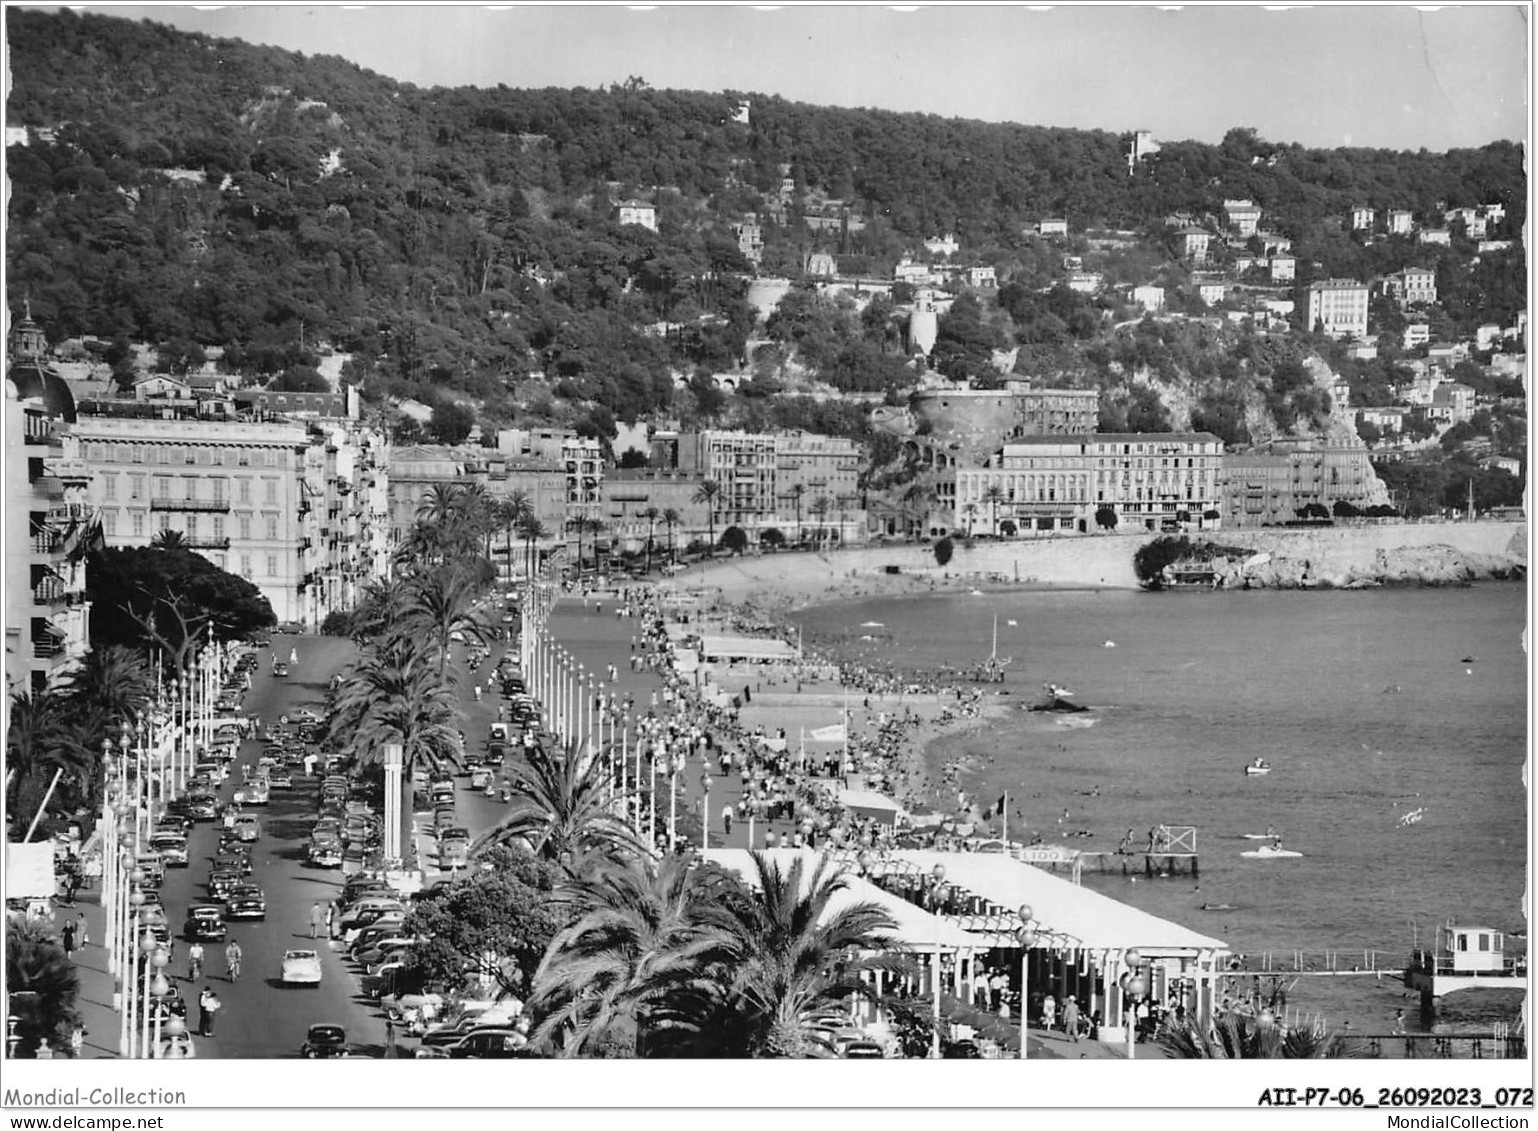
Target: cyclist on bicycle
232	959
194	962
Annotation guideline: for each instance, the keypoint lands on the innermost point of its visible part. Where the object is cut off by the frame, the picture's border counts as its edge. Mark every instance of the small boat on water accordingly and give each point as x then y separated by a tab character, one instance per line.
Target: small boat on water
1257	767
1259	836
1413	817
1269	852
1217	907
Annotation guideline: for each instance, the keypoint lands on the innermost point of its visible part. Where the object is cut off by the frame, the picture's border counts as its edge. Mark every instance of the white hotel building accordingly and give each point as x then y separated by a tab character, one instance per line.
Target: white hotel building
1150	479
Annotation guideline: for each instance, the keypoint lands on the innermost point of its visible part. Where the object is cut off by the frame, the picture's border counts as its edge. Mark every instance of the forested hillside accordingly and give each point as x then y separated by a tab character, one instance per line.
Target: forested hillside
190	192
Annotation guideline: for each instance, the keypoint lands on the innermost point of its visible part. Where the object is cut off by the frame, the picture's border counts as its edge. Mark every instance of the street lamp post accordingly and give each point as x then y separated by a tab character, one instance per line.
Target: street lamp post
675	767
1132	990
147	947
659	750
159	988
706	781
939	878
1027	936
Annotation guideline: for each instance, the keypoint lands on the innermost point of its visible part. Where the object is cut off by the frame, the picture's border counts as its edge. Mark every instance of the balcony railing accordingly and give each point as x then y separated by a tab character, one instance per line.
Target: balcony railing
47	649
54	592
206	542
221	505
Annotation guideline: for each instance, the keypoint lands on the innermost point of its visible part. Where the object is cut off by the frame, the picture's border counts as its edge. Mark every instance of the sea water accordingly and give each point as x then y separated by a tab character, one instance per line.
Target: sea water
1367	704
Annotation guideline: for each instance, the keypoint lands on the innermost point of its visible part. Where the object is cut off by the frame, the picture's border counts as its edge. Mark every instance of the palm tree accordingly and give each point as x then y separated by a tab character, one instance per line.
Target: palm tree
169	539
637	962
1237	1035
708	491
796	491
43	984
993	496
443	602
562	807
651	514
970	511
440	503
671	516
382	610
820	507
512	512
114	677
44	738
597	527
918	499
794	956
532	530
393	696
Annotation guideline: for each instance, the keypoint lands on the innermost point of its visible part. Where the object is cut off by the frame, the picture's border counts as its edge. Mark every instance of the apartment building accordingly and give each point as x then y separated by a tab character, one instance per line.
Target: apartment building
744	466
49	525
417	470
1151	480
1243	216
579	457
1269	484
636	504
809	467
1410	286
1339	306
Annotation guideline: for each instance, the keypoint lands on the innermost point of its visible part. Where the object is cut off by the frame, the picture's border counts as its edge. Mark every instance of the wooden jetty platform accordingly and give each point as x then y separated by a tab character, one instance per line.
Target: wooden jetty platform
1171	852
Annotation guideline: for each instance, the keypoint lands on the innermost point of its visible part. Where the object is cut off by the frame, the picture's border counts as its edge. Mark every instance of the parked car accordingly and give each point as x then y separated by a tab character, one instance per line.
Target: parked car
325	851
153	867
171	848
324	1041
300	968
204	924
490	1044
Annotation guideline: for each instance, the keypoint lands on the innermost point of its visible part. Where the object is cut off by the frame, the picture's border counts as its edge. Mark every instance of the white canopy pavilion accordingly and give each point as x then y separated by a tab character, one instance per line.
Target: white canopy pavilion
1081	937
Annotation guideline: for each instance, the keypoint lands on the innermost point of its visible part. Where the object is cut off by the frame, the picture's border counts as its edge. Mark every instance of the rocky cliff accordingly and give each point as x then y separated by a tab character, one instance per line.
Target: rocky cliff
1446	554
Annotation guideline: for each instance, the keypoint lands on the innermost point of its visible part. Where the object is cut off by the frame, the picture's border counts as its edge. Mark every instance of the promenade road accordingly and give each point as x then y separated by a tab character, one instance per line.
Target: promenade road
260	1017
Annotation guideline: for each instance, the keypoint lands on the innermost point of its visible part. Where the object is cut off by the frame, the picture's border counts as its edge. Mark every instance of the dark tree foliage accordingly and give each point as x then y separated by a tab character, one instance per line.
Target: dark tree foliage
127	585
944	550
451	422
464	238
734	539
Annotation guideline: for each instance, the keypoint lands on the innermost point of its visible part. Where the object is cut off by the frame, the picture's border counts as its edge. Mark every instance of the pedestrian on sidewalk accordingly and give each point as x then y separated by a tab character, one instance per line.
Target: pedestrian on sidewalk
331	920
68	934
317	918
726	819
1071	1019
194	962
82	931
76	1042
205	1015
1049	1012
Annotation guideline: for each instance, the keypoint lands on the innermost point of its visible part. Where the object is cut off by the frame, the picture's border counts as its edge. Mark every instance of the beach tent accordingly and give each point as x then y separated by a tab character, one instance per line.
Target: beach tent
868	803
745	648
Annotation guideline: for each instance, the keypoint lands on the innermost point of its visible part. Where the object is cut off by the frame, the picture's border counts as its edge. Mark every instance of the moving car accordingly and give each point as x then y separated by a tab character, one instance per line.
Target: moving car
303	715
280	778
454	847
248	828
489	1044
202	806
245	901
301	968
279	668
221	881
204	924
232	861
480	777
255	792
324	1041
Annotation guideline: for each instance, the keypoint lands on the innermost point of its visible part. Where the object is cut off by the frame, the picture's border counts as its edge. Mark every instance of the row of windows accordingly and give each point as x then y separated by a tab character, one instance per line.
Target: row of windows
162	485
169	453
244	524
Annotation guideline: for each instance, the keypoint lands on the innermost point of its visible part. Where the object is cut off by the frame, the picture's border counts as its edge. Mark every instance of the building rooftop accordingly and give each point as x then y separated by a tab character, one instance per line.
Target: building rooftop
1114	438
